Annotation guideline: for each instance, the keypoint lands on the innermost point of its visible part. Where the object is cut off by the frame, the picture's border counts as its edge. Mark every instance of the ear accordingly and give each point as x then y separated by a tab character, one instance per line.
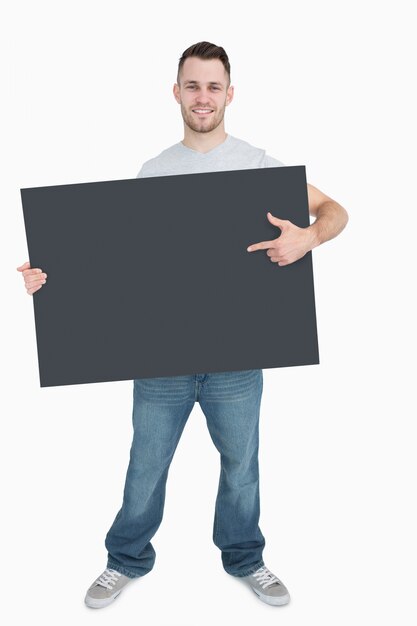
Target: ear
176	92
230	94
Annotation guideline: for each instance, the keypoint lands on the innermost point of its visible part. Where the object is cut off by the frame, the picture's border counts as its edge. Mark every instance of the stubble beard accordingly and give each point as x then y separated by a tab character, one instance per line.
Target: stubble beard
202	126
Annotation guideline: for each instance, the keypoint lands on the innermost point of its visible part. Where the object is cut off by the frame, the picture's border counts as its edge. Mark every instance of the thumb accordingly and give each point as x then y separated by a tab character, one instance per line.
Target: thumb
25	266
276	221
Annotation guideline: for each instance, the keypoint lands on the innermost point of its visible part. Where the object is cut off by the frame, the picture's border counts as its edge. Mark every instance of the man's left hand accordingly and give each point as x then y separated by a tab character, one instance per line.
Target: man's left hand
293	243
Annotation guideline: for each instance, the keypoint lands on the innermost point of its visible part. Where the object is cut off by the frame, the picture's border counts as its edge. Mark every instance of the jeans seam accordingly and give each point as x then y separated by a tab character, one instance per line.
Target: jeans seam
216	529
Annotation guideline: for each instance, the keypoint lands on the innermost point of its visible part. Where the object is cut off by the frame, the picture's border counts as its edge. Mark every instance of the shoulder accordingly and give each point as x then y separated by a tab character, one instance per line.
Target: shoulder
272	162
245	148
155	165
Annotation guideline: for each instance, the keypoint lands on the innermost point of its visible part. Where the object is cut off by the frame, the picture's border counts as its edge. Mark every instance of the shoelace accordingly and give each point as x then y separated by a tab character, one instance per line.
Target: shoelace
265	577
108	578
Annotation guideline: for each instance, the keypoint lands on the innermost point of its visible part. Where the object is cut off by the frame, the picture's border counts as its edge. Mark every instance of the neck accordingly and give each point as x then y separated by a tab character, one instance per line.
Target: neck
203	142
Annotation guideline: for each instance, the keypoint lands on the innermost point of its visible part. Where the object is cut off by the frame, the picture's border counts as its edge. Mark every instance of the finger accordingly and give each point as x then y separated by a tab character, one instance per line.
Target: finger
33	289
25	266
276	221
32	272
273	251
32	277
262	245
35	283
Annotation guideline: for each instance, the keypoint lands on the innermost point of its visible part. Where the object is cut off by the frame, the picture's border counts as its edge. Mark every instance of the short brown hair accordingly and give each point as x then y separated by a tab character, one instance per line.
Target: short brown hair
205	50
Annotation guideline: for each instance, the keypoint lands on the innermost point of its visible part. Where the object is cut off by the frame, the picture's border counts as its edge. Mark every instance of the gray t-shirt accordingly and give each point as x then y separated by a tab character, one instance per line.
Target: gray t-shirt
231	154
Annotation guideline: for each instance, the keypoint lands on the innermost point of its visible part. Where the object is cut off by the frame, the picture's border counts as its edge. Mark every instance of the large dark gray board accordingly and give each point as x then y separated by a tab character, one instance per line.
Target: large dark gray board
150	277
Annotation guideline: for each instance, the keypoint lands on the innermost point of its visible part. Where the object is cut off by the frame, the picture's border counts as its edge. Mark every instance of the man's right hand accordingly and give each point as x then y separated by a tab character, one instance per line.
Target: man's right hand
34	278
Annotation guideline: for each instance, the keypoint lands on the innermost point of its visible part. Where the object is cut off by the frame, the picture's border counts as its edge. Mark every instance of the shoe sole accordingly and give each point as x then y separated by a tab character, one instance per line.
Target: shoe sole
273	601
94	603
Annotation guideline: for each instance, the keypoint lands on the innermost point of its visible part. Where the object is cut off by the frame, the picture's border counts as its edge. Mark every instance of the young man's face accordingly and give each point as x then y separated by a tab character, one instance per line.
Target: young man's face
203	93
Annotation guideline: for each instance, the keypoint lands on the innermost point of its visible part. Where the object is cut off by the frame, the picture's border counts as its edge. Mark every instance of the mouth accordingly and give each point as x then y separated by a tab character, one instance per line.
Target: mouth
202	111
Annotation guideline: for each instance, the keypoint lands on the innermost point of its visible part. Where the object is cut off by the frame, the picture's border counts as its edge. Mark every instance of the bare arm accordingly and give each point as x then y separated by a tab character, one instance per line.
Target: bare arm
331	217
294	242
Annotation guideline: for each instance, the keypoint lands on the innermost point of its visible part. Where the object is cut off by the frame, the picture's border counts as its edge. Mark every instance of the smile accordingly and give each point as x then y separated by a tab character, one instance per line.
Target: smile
202	111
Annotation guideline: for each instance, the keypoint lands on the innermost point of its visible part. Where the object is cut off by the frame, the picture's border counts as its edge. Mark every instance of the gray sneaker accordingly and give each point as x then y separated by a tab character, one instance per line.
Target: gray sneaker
106	588
268	587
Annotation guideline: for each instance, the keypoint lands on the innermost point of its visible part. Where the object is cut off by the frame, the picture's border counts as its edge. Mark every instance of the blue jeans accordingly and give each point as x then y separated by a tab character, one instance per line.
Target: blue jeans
230	402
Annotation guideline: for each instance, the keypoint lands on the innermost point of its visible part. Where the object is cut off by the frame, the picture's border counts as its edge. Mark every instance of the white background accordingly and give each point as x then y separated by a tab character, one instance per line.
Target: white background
87	96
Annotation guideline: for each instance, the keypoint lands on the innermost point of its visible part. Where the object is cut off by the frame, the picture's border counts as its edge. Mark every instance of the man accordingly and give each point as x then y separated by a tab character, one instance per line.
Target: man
229	400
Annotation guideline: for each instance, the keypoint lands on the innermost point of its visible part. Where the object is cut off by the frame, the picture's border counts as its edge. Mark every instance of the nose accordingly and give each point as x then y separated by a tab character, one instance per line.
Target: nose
203	96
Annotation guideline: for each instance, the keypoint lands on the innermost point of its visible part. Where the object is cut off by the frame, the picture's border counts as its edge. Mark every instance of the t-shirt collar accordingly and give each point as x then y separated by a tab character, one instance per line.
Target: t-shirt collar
203	154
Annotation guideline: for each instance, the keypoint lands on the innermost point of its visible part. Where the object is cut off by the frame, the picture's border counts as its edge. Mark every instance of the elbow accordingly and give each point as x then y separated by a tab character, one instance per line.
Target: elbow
345	217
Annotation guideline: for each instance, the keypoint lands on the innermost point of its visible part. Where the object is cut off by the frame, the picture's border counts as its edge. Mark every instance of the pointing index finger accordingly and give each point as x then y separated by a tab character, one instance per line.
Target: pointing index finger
262	245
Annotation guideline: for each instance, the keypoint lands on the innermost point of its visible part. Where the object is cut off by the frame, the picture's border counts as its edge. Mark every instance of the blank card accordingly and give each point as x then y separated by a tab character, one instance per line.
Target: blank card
151	277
